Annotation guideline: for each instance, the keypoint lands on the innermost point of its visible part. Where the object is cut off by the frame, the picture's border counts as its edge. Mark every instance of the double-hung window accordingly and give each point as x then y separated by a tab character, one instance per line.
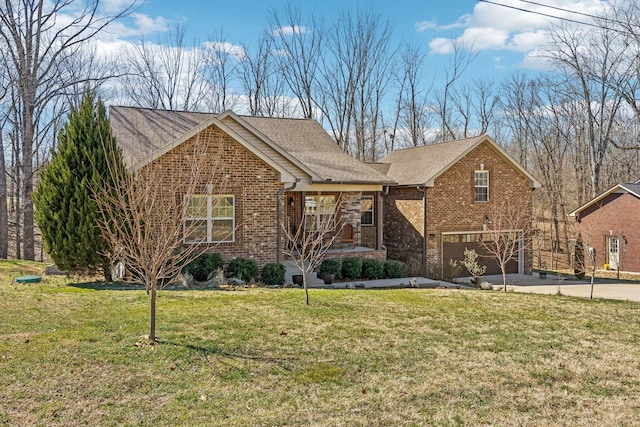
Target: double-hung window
320	212
210	219
366	210
481	185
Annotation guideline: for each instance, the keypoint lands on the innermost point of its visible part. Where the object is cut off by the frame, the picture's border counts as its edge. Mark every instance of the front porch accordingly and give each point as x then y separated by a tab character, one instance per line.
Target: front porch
351	220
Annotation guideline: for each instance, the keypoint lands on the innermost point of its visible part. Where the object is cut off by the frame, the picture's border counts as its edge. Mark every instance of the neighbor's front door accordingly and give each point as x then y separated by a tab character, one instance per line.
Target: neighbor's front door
614	250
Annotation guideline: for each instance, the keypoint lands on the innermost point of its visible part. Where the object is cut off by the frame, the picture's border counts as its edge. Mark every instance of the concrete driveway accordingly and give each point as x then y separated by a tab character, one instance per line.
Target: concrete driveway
552	285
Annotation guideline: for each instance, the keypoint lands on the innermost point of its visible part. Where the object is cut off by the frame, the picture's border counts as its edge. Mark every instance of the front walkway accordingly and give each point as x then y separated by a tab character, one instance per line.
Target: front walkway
403	282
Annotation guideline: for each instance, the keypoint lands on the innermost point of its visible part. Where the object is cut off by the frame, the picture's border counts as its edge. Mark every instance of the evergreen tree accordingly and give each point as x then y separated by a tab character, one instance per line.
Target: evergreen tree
66	213
578	258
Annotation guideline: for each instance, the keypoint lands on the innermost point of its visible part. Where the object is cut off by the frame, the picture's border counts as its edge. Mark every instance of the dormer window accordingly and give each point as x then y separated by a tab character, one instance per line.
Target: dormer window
481	185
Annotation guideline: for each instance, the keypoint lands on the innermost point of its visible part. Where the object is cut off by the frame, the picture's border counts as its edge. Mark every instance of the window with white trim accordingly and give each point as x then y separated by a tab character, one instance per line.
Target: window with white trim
210	219
366	210
481	185
320	212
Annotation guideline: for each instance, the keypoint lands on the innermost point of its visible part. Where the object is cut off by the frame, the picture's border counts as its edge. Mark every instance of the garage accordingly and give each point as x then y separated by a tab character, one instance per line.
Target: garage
454	244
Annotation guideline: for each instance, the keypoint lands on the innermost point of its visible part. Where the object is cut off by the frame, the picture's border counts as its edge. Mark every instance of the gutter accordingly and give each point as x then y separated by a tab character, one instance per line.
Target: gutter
279	219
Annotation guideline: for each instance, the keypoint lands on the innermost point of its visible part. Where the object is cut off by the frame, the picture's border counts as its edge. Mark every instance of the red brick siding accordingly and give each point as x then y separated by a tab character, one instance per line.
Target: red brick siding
403	227
616	215
253	183
450	206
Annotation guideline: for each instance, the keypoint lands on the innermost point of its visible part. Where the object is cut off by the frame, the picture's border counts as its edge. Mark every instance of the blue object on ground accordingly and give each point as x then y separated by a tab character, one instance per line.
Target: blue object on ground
28	279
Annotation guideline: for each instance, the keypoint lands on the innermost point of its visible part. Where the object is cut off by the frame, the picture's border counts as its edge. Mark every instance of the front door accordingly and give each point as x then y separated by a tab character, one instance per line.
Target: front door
614	251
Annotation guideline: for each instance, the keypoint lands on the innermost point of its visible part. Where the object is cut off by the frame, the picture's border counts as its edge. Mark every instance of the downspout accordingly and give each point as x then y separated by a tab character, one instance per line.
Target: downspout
279	219
423	188
380	242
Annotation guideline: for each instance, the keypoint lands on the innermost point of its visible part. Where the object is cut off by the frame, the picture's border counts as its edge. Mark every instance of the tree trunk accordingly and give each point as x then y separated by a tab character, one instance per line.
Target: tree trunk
152	325
4	214
27	183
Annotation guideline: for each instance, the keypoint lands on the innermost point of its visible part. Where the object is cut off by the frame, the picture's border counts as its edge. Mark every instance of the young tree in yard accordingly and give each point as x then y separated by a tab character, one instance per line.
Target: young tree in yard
147	214
66	213
309	241
508	233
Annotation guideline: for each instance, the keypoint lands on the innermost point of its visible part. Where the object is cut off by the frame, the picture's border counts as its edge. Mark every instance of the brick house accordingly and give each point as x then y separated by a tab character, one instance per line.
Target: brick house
444	198
610	223
274	170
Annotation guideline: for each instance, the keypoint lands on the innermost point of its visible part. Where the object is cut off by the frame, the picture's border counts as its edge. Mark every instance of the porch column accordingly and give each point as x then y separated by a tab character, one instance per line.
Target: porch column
380	222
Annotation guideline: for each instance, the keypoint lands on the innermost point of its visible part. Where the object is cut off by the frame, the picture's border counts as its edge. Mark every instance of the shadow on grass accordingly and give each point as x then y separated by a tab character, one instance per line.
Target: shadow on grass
108	286
207	351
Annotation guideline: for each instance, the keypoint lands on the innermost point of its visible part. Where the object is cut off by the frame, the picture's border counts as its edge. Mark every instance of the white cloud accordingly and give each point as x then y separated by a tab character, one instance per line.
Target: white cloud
288	30
441	45
479	38
146	24
228	48
116	6
492	27
425	25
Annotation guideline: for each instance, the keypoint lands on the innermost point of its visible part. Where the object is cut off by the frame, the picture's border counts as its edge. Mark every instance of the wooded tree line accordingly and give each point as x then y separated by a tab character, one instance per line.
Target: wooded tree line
575	127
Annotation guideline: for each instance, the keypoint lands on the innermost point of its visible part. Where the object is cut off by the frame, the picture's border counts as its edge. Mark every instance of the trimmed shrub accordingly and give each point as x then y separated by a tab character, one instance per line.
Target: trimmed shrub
273	274
332	266
372	269
204	266
243	268
393	269
352	268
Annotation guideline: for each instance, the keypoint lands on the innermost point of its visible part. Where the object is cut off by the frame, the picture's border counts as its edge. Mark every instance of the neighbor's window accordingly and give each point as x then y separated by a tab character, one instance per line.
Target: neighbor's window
366	210
210	219
320	212
481	184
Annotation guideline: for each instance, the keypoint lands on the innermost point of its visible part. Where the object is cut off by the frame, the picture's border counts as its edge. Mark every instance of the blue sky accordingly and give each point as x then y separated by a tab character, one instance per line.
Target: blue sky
504	39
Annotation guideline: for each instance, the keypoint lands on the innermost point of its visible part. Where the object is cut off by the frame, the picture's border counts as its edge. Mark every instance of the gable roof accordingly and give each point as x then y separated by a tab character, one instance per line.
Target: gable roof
422	165
630	188
295	147
307	141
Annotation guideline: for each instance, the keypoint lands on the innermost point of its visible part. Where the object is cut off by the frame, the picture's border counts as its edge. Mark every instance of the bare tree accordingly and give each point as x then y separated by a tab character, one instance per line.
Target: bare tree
220	72
300	47
37	45
353	80
263	82
309	241
508	233
592	62
4	213
166	75
147	216
462	57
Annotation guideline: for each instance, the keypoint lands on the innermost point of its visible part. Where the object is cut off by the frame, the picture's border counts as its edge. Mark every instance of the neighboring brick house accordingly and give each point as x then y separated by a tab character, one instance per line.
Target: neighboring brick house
444	198
274	169
610	223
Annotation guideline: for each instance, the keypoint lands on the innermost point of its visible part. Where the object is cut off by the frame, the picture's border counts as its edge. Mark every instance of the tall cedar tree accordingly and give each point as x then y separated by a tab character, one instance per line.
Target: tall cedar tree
66	213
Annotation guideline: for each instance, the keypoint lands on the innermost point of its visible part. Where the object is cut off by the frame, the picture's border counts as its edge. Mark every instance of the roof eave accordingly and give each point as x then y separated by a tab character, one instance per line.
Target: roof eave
285	176
272	144
602	196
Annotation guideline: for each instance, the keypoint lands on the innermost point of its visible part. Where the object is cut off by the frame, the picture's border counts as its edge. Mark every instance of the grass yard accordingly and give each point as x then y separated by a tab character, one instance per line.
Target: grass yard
258	357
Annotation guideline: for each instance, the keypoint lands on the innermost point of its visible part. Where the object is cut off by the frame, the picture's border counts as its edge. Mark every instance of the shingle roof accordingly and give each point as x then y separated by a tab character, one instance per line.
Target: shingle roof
307	141
633	188
630	187
143	132
420	165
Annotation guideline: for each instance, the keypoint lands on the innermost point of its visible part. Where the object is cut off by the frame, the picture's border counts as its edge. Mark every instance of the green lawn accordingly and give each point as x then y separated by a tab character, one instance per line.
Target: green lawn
69	355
